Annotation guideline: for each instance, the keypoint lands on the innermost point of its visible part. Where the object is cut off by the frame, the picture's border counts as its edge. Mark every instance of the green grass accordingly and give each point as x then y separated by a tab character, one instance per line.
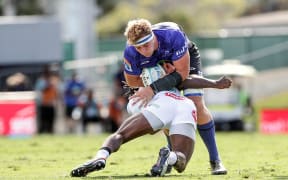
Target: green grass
245	155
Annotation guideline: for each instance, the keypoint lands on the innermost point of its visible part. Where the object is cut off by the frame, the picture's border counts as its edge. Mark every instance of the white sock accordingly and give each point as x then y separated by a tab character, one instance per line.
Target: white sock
102	153
172	159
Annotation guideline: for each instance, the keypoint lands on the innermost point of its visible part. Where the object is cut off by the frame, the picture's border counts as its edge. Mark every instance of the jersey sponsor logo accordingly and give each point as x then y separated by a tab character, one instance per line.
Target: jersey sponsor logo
174	96
181	51
145	62
127	66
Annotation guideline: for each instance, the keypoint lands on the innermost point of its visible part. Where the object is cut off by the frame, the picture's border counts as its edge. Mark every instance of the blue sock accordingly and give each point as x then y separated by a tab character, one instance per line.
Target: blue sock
207	133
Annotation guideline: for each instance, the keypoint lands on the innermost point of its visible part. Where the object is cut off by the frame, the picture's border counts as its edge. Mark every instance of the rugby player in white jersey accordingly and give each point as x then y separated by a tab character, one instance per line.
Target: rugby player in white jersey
166	110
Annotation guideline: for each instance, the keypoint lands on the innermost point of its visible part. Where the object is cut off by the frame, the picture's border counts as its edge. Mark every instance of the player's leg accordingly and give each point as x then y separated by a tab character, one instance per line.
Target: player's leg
182	138
205	123
135	126
70	123
184	145
169	146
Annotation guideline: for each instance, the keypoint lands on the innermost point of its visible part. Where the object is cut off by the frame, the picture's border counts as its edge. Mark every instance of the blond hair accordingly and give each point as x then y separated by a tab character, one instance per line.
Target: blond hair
137	29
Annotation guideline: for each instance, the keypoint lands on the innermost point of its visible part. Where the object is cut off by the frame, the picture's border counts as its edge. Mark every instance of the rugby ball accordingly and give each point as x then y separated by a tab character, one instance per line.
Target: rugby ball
148	76
151	74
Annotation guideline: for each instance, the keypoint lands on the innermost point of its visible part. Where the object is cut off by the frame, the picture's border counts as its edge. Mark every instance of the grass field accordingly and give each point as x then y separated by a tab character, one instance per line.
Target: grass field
246	156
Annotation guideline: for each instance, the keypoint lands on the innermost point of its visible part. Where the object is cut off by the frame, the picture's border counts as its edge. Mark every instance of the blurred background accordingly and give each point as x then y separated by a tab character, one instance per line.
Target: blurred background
61	61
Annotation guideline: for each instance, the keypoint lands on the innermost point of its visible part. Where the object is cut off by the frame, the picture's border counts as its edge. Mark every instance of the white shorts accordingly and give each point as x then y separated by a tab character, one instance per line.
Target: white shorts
172	110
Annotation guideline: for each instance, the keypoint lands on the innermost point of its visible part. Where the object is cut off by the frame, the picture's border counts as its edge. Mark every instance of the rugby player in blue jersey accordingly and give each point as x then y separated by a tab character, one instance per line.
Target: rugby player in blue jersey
149	44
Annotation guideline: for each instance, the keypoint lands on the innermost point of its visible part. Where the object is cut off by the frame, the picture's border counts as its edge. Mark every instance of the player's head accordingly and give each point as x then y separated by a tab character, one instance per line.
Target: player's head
136	30
139	34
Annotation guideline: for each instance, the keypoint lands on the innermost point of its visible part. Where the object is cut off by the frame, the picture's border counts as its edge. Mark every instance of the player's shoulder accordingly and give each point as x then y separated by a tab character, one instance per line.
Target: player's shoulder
129	52
167	31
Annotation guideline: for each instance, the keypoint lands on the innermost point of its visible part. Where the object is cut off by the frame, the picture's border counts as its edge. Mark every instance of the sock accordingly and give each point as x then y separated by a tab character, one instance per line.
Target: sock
103	153
207	133
172	159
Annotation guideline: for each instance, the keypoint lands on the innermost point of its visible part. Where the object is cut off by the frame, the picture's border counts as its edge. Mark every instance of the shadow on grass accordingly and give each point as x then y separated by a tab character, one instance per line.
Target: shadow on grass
141	176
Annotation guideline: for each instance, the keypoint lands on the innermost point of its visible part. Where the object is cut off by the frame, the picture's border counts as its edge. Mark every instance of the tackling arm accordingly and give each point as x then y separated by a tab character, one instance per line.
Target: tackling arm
195	81
174	79
182	65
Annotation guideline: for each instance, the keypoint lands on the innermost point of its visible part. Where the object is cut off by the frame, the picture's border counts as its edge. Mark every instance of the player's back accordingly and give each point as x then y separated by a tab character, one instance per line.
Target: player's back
166	25
168	29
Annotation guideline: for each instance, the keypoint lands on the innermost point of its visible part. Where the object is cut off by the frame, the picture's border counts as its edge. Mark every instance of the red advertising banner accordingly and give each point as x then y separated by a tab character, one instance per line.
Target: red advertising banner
17	117
274	121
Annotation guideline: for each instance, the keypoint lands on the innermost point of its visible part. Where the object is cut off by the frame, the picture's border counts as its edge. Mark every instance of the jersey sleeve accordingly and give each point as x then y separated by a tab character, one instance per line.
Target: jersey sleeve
179	45
130	62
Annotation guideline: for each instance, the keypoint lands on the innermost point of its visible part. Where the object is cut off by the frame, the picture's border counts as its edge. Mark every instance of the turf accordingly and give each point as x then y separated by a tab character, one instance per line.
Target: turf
246	156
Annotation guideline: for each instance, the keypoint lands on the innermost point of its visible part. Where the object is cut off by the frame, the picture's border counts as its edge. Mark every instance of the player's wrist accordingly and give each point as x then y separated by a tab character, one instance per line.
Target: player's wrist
214	83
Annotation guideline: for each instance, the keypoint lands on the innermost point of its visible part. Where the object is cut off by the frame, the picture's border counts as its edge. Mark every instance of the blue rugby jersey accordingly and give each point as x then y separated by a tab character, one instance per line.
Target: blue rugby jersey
173	44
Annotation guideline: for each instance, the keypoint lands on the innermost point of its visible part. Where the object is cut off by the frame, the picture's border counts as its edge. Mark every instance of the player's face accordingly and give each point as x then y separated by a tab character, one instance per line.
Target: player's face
146	49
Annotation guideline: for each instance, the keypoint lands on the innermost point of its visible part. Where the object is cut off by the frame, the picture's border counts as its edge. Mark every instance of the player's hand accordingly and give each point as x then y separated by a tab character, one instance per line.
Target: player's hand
144	94
168	67
223	83
128	91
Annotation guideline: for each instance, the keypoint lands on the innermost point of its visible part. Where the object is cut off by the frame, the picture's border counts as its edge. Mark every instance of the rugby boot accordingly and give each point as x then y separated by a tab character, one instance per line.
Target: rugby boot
217	168
160	168
87	167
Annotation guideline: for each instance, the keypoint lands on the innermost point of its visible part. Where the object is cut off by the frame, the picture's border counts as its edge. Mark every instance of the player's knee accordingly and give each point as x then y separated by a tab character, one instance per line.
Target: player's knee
202	109
181	162
198	101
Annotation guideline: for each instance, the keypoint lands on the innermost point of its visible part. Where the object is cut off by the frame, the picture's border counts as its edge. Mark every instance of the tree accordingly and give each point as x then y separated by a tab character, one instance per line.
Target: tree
194	15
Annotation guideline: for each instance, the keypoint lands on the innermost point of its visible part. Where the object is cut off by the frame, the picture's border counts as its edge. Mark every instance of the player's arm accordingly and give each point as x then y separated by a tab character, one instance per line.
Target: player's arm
131	84
175	78
133	80
196	81
182	65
